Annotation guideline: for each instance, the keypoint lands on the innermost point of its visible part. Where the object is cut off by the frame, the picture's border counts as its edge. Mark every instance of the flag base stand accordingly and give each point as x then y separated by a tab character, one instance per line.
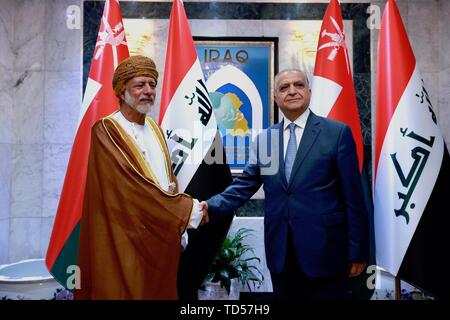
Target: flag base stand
398	289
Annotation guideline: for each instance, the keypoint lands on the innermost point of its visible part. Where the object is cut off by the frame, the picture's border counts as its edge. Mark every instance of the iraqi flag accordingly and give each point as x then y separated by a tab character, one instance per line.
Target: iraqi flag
195	146
98	102
412	168
333	93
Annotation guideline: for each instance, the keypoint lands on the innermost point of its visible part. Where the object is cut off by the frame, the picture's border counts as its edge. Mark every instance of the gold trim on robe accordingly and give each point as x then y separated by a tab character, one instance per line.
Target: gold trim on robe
130	228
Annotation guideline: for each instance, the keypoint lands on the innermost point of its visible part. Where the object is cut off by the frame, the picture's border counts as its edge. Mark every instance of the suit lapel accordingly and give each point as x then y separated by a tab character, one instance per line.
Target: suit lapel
310	134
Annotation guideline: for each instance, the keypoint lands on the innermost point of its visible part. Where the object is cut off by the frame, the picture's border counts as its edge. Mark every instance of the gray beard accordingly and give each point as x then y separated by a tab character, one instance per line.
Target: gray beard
143	109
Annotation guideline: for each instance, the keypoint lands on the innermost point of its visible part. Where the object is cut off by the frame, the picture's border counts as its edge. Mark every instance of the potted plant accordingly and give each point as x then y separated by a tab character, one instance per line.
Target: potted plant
230	267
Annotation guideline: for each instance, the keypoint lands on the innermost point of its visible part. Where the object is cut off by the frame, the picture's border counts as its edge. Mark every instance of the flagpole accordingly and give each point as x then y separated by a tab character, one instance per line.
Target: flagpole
183	75
99	101
398	289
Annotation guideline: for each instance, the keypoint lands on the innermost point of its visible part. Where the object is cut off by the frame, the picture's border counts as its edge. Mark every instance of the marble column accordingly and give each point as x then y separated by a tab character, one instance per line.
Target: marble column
62	97
6	108
27	128
41	91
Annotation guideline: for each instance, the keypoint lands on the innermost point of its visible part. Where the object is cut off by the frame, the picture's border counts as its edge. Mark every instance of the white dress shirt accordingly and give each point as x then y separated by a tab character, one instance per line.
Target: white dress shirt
299	128
147	141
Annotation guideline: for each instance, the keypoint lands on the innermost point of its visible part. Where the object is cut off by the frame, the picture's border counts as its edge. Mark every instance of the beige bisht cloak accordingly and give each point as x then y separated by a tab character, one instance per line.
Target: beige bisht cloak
130	229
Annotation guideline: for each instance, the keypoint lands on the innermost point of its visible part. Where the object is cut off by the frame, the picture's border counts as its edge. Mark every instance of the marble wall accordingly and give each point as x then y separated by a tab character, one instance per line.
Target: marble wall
40	94
6	98
41	63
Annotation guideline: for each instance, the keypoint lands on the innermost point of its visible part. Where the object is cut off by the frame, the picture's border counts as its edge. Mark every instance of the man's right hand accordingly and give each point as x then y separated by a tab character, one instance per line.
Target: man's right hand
203	207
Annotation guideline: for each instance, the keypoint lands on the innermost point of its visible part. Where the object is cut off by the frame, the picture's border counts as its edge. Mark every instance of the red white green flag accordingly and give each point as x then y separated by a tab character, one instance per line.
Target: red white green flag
333	93
99	101
333	96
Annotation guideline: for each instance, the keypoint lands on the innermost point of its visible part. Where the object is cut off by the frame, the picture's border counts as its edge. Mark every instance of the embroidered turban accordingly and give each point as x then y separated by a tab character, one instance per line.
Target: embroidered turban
134	66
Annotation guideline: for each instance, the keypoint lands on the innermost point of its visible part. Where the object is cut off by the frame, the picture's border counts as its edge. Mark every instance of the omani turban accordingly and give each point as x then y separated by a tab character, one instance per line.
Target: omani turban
134	66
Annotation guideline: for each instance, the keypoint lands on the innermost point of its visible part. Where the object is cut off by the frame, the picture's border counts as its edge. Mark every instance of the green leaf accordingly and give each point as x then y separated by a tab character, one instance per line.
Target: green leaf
233	261
224	274
252	258
209	277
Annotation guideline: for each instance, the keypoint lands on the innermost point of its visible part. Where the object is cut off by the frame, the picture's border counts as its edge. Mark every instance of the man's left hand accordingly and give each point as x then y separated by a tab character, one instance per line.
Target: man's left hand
356	268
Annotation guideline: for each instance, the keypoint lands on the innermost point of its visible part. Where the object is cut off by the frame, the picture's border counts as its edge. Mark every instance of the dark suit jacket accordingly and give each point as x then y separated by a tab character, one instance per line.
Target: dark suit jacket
322	203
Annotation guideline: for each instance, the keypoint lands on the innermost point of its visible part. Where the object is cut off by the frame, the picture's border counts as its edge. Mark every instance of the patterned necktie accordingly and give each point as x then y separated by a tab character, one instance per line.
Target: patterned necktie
291	151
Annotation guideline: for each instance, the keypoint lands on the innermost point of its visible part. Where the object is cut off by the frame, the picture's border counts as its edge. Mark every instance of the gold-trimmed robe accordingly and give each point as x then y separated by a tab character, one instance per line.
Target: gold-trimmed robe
131	228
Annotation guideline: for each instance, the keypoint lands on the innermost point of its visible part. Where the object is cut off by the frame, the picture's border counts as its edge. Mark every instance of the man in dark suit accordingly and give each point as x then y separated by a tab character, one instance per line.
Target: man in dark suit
315	223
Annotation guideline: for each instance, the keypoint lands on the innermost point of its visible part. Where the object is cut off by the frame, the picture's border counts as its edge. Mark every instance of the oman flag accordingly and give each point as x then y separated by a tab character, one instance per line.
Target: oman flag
98	102
412	168
333	94
195	146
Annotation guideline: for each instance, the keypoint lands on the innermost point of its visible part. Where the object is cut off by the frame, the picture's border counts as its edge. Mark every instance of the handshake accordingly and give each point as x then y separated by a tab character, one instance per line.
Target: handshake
203	207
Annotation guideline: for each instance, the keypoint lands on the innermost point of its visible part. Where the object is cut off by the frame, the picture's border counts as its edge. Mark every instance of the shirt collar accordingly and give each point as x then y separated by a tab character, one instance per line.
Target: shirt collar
300	121
124	121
